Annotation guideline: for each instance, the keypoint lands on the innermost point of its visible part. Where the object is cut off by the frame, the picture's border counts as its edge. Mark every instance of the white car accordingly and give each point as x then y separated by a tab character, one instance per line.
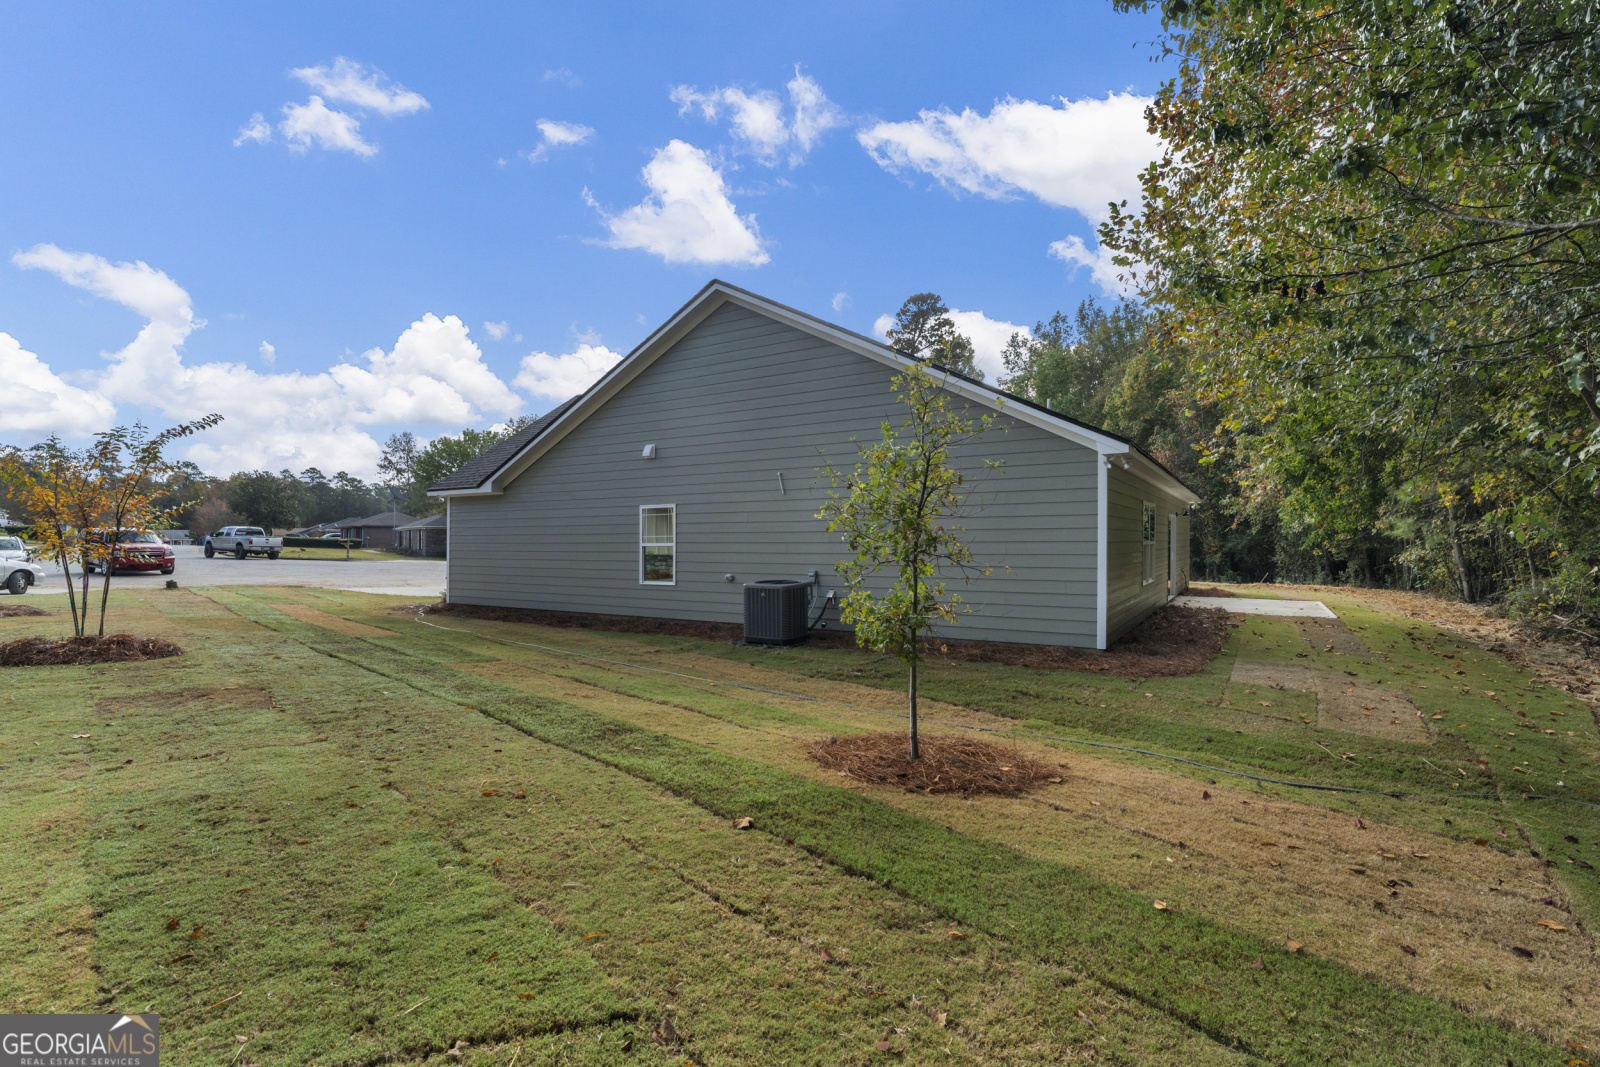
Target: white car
14	548
17	575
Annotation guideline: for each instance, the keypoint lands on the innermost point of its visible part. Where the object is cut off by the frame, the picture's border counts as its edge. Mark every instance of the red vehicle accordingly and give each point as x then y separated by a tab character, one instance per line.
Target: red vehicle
134	550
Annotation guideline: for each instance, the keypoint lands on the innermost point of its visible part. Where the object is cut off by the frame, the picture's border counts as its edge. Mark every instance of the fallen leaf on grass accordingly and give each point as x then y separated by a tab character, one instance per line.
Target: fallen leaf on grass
1293	946
1550	924
957	935
1420	855
1205	794
1569	839
492	957
172	924
79	737
939	1019
743	823
591	937
1360	825
526	996
1265	703
180	959
1521	953
1160	905
491	792
519	795
1408	950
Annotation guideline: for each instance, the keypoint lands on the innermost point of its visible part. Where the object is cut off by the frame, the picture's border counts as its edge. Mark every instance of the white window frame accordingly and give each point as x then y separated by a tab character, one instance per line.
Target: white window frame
673	508
1147	543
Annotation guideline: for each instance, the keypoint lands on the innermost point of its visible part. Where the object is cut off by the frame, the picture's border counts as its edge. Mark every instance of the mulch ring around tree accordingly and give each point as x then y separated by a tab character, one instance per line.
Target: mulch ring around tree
17	611
82	651
1172	642
963	766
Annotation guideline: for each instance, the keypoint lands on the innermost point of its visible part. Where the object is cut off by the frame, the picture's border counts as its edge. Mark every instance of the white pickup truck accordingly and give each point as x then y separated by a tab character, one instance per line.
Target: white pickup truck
242	541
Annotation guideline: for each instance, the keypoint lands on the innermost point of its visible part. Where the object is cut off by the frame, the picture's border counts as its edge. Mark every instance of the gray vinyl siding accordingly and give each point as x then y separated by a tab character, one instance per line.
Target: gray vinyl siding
1128	597
739	399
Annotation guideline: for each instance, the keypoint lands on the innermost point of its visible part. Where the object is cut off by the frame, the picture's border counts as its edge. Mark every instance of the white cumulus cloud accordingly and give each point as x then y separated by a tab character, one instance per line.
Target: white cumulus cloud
988	337
268	353
1118	281
1080	155
256	131
433	375
315	123
497	330
40	403
349	82
554	134
761	124
559	377
687	218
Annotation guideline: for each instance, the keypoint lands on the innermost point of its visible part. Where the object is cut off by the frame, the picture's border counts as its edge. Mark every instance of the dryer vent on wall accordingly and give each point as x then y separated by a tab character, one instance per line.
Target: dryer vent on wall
775	611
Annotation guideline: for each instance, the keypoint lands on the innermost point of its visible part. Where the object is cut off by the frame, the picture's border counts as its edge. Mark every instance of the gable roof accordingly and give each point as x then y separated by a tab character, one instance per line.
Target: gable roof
491	472
481	469
383	518
432	522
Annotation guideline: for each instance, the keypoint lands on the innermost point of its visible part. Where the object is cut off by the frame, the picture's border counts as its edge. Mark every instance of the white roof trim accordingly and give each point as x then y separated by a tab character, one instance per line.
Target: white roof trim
717	293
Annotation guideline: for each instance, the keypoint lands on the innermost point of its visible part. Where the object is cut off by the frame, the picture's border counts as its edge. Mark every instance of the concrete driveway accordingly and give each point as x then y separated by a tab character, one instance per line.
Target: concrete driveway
399	577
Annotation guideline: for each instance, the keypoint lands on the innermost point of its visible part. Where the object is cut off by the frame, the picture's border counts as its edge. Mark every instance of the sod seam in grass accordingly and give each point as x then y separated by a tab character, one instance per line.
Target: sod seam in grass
1295	1010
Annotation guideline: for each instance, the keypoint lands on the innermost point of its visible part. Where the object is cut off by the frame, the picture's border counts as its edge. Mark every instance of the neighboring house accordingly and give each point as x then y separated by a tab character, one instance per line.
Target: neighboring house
425	537
695	465
376	531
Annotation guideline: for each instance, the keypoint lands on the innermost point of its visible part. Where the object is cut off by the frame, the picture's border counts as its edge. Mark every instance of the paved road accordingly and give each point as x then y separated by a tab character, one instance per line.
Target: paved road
401	577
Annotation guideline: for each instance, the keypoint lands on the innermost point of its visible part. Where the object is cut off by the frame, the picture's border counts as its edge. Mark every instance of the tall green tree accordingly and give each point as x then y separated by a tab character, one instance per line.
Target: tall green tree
899	513
261	498
1374	229
923	328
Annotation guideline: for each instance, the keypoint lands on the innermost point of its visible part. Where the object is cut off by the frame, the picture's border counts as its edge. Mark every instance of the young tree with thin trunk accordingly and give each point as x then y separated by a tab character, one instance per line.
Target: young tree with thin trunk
898	512
111	486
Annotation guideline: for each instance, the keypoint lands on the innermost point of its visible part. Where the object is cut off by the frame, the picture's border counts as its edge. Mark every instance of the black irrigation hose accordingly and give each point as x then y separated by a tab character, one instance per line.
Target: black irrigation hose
1012	732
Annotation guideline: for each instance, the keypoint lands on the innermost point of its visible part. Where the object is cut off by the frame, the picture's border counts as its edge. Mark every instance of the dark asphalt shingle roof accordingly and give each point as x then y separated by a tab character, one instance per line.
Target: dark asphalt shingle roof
383	518
429	523
482	469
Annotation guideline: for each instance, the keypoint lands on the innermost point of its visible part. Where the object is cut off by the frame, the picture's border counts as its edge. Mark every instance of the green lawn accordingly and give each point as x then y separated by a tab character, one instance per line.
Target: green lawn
347	847
339	554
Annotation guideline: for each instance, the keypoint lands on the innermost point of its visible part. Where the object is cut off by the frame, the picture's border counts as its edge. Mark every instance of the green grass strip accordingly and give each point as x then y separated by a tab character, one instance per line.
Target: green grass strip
1294	1010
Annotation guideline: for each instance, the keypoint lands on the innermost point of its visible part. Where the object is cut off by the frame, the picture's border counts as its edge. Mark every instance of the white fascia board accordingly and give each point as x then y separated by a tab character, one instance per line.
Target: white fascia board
631	366
1148	471
717	293
1103	444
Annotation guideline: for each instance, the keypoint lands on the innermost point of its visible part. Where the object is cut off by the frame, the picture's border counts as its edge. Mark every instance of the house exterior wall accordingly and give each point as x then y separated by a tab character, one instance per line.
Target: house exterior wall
1128	596
745	412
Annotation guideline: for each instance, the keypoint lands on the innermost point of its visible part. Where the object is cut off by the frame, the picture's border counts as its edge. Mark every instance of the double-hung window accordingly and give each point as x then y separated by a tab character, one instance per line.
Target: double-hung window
1148	571
658	544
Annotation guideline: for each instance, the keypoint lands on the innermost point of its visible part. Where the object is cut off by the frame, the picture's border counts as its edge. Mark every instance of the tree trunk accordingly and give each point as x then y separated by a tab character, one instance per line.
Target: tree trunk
916	752
1455	552
72	595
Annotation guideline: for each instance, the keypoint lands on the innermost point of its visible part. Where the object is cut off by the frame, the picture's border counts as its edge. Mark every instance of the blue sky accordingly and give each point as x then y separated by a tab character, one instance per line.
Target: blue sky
329	222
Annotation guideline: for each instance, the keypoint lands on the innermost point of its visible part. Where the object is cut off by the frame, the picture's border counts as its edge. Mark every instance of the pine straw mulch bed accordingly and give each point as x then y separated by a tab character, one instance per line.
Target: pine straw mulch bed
81	651
16	611
963	766
1172	642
